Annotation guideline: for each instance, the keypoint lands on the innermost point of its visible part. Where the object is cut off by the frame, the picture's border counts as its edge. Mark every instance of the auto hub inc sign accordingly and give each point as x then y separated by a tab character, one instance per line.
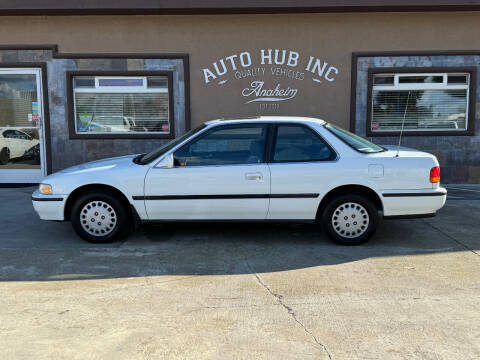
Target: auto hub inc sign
269	75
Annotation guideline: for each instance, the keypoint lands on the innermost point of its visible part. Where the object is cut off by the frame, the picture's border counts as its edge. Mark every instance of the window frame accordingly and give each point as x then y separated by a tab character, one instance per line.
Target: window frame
273	142
270	141
73	134
418	71
206	132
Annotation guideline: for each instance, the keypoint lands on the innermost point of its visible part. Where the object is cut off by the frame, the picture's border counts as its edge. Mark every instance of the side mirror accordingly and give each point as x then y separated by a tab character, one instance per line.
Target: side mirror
166	162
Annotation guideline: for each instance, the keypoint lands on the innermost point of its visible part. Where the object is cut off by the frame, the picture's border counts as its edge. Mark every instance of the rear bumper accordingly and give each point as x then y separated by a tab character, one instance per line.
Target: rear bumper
413	203
49	207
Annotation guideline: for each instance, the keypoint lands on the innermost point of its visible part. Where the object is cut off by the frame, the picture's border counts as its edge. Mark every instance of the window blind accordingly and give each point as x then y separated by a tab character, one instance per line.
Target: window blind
423	102
426	109
110	112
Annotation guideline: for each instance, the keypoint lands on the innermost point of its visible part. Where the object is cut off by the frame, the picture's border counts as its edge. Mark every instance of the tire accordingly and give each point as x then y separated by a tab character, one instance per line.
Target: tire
111	218
350	219
4	156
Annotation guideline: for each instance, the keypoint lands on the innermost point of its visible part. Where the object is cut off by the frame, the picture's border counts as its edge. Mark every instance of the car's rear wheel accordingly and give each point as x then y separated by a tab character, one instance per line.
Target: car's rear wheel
4	156
99	217
350	219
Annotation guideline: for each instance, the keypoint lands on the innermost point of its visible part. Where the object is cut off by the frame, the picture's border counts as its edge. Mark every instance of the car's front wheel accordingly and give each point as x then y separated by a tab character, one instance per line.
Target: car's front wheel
4	156
99	217
350	219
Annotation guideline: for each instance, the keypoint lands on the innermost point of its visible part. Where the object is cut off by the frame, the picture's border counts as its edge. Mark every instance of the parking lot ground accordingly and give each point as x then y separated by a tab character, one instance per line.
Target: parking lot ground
238	291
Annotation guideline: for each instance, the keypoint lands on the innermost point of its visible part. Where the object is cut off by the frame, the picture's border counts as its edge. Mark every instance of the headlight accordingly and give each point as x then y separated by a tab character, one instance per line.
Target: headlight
45	189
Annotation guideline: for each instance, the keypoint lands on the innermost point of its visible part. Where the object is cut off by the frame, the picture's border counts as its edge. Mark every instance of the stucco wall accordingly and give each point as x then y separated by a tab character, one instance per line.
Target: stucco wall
331	37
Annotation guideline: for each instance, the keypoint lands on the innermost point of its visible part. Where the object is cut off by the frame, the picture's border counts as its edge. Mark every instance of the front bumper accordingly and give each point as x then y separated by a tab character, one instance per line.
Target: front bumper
49	207
413	202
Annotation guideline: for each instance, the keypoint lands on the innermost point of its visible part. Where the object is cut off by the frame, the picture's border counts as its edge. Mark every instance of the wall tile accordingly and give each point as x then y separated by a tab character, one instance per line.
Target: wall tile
9	55
474	174
134	64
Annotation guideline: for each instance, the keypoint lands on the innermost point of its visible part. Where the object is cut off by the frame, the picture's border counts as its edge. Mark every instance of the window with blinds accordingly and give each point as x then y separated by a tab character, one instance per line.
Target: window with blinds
420	102
121	104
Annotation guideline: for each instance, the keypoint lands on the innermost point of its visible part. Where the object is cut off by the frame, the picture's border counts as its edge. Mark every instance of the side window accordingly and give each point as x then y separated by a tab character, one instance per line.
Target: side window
21	135
9	134
227	145
299	143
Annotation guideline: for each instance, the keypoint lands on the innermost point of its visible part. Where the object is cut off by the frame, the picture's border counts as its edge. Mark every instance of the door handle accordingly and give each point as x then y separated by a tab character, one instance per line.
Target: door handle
254	176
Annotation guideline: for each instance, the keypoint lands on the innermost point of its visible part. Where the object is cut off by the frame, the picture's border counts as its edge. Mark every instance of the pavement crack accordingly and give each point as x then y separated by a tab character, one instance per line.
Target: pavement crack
452	238
290	311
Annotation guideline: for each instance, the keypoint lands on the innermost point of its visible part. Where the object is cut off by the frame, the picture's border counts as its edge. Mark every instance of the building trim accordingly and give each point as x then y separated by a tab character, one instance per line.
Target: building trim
470	131
71	106
354	80
188	7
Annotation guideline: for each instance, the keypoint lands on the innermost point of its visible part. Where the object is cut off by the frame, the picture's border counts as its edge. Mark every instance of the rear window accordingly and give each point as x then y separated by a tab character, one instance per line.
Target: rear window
354	141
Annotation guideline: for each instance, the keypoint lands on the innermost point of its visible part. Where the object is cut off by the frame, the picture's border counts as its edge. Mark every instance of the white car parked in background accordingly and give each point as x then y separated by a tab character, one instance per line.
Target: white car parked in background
263	169
14	144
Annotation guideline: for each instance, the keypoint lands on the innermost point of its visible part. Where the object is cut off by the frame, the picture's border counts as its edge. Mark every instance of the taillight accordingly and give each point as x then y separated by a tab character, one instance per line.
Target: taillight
435	174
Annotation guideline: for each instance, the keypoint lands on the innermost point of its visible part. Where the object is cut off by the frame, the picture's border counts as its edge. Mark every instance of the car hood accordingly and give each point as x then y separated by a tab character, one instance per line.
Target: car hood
104	164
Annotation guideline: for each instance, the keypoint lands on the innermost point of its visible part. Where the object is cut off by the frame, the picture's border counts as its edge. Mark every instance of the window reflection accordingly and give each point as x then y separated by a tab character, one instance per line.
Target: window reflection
427	109
420	102
18	100
122	104
19	148
19	118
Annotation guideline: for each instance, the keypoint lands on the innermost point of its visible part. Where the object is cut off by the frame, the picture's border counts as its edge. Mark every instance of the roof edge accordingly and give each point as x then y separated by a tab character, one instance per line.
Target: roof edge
189	7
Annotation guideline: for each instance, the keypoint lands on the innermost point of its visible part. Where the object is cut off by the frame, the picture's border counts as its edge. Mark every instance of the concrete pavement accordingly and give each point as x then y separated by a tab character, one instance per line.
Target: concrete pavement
241	292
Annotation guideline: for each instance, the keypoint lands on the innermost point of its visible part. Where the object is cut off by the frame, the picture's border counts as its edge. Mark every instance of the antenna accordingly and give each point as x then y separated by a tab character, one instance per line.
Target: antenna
403	123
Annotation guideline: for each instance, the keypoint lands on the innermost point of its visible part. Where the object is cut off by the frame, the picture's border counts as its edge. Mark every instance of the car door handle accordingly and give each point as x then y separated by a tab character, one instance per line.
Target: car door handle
253	176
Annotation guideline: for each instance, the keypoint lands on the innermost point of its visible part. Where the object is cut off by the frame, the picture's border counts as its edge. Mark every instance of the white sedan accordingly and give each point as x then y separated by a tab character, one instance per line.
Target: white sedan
14	144
263	169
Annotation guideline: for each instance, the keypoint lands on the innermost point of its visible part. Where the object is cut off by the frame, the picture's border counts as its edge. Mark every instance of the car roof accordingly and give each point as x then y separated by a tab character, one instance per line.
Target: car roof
273	119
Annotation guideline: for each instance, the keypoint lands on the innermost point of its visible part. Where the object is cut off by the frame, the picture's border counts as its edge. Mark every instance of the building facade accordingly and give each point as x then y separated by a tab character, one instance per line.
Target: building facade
79	82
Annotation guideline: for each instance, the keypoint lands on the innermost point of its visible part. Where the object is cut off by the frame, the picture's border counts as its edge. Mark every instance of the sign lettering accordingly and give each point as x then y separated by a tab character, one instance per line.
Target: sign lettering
264	71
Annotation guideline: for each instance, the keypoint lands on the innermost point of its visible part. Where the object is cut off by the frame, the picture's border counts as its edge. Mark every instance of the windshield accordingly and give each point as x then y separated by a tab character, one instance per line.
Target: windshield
354	141
145	159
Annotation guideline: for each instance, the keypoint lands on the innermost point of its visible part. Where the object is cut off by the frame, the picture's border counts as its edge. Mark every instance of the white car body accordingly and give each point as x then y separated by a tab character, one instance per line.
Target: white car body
288	191
16	141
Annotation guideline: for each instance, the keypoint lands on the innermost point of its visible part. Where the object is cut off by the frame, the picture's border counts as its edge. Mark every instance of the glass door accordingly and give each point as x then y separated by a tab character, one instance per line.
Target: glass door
22	153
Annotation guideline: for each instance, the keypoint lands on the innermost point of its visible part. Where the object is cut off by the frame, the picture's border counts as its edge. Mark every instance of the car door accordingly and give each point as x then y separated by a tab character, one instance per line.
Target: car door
23	142
301	165
220	175
18	143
